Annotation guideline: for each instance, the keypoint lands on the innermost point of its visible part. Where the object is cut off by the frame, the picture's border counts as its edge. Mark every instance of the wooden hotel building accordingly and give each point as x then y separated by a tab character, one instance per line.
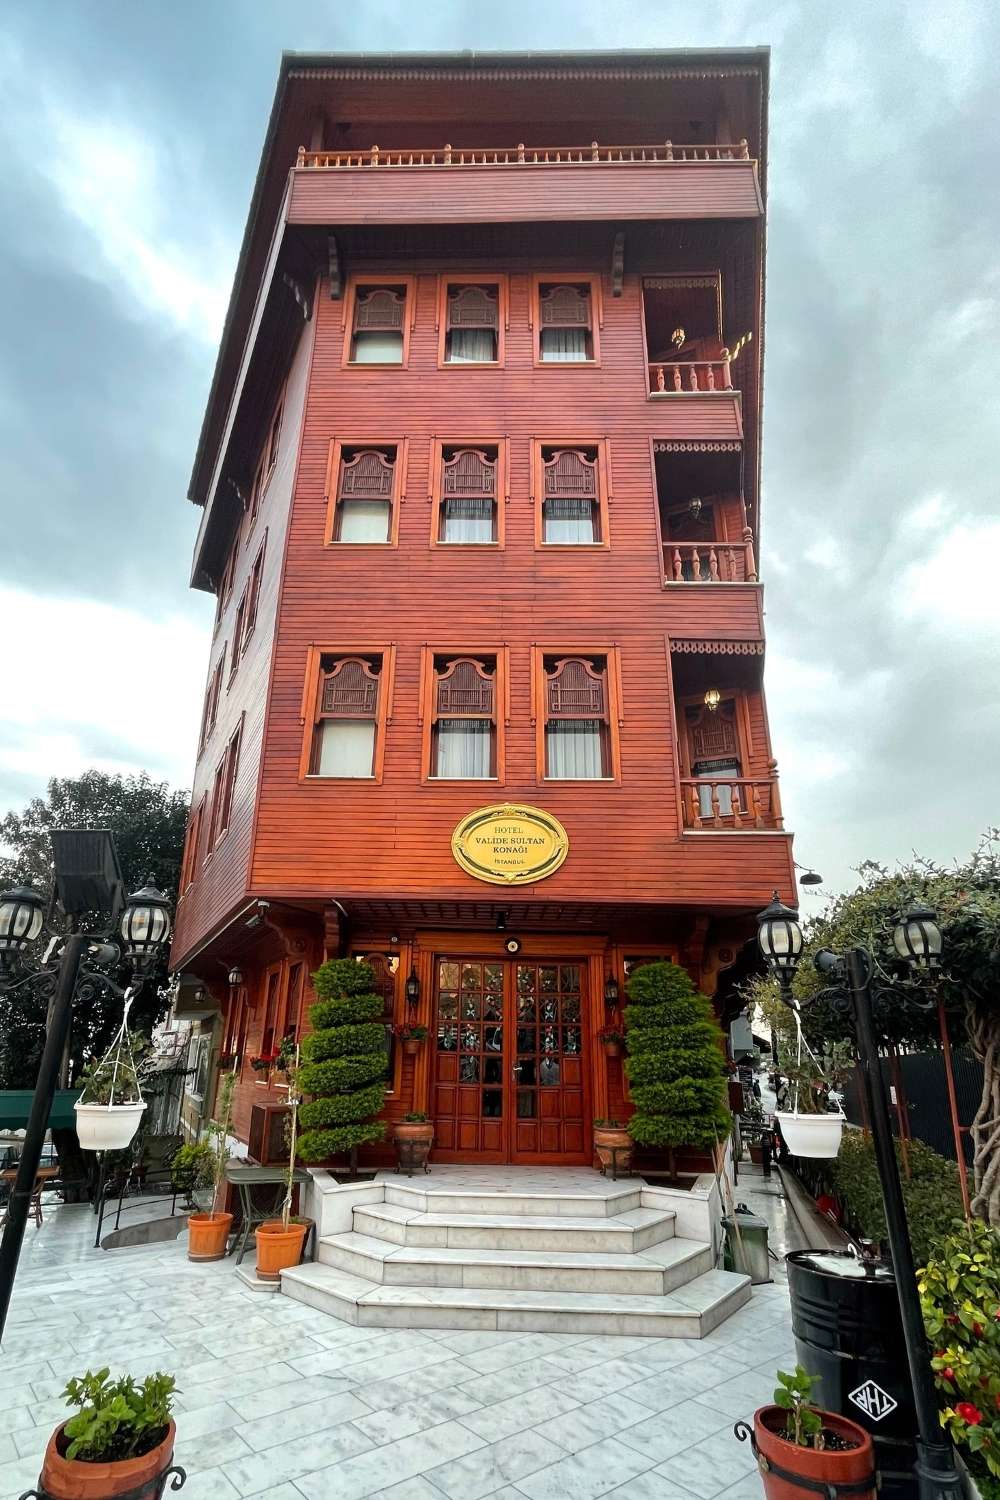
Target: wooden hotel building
479	492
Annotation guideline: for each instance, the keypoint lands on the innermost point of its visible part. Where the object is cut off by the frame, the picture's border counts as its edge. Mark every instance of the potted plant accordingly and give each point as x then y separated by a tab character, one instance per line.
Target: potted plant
800	1448
193	1168
614	1145
345	1062
264	1062
120	1442
110	1107
814	1126
208	1232
612	1040
280	1241
410	1037
413	1137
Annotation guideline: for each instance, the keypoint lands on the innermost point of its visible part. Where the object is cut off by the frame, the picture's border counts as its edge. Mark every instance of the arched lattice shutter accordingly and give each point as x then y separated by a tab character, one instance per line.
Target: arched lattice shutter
575	690
470	472
350	690
570	473
379	311
713	736
464	720
468	496
473	307
366	476
465	688
564	307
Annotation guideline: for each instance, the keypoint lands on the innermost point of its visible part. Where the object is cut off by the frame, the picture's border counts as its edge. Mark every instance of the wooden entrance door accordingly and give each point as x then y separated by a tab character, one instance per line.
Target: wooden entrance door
510	1081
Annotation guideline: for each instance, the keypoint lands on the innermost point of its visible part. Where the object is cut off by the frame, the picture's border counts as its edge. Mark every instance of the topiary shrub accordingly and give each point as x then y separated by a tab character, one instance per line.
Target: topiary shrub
675	1065
344	1062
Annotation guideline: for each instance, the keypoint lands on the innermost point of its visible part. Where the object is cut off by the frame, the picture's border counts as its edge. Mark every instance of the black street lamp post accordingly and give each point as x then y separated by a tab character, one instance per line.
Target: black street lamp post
917	940
79	965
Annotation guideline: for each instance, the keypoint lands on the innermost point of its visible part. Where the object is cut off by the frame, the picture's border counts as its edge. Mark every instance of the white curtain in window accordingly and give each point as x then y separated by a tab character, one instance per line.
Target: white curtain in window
471	346
463	748
564	345
568	521
468	521
574	749
378	349
346	747
724	792
364	521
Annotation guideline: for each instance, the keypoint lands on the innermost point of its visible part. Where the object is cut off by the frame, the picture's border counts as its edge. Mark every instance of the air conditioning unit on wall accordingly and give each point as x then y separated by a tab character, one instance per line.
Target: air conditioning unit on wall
267	1145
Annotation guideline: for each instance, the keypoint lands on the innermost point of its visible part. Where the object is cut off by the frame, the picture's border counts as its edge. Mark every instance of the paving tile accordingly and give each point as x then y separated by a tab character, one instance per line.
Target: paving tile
711	1466
600	1380
382	1467
392	1423
594	1472
417	1488
209	1449
668	1432
504	1383
379	1394
260	1473
486	1470
301	1420
259	1405
502	1420
212	1484
650	1486
599	1419
741	1394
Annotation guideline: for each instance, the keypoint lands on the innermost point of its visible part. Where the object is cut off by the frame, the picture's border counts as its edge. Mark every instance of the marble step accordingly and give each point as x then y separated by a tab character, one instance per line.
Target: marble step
624	1233
435	1196
689	1312
652	1272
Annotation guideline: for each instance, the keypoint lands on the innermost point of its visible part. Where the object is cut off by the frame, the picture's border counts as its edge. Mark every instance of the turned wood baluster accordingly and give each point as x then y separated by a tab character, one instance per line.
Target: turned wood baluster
716	812
744	150
520	151
661	381
374	156
678	566
676	369
693	377
695	807
751	563
695	565
776	816
669	149
758	817
713	565
595	154
734	793
300	159
710	377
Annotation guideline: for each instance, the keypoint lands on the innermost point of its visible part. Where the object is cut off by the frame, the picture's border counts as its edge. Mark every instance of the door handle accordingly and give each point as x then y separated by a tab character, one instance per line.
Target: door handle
515	1068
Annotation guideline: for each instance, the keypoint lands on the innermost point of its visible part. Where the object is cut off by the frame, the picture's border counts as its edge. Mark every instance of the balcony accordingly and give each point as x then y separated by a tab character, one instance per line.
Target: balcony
710	562
525	183
699	376
731	803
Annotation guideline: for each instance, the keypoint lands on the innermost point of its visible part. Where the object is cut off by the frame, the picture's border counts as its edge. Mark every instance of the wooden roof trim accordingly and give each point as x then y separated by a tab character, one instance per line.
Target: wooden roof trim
514	75
716	648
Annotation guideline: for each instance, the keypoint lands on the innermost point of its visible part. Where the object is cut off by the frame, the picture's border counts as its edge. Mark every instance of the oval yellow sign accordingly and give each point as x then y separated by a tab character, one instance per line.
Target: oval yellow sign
510	844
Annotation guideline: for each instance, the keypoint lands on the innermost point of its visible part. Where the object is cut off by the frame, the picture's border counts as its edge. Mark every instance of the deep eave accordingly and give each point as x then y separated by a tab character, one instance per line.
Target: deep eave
677	62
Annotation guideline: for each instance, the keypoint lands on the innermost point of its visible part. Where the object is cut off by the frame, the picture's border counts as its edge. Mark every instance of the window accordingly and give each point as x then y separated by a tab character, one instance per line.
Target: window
347	713
229	575
713	749
218	792
572	490
238	628
577	738
472	318
253	594
386	967
467	508
563	316
272	994
223	806
265	463
363	494
379	323
293	1001
463	724
189	864
212	694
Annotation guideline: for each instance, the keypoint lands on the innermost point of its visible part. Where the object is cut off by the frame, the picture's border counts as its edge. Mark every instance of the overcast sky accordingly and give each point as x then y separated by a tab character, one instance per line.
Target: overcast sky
130	134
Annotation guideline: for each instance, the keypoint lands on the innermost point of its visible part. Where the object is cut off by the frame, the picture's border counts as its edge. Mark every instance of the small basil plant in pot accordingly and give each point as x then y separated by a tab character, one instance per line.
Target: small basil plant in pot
208	1232
799	1447
120	1442
280	1241
413	1137
411	1036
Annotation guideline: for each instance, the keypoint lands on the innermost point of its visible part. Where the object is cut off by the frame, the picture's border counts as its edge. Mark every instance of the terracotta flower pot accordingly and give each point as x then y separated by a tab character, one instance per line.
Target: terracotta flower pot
411	1046
70	1479
207	1236
612	1049
829	1466
279	1248
614	1147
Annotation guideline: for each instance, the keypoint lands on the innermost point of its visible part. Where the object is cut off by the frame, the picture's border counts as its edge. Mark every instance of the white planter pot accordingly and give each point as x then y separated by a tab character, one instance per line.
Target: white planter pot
811	1135
107	1127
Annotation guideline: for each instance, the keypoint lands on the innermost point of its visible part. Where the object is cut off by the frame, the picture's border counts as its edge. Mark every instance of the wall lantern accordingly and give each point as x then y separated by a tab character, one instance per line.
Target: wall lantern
21	916
780	939
916	937
413	990
235	977
712	699
611	992
145	926
694	506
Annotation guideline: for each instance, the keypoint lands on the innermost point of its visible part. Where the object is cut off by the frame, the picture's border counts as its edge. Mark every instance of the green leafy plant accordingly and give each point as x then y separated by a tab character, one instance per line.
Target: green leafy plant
116	1077
608	1125
675	1064
811	1079
409	1032
931	1193
218	1131
611	1035
345	1062
117	1419
416	1117
960	1297
804	1427
193	1167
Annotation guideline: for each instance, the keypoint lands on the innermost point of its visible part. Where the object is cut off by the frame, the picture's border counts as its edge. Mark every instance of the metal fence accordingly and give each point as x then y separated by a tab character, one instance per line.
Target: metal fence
924	1097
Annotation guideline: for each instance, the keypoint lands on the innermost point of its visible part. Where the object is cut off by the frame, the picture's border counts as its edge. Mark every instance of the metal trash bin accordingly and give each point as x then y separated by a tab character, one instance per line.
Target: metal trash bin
746	1245
848	1331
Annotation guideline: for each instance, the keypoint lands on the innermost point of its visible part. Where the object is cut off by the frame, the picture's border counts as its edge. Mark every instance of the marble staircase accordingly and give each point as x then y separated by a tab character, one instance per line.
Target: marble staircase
516	1248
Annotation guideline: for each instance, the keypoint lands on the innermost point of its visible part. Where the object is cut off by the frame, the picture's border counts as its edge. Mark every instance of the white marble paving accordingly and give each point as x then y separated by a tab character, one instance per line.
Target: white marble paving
282	1402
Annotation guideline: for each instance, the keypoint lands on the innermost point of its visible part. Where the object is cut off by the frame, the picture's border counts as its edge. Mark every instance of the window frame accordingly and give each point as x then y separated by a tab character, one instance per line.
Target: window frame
213	693
375	279
239	626
499	279
397	499
310	708
605	494
253	593
192	842
435	494
267	460
364	953
230	766
588	279
427	711
616	711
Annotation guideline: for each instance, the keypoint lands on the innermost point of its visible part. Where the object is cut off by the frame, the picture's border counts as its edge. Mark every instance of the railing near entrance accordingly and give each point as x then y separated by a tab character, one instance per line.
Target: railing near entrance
731	802
526	156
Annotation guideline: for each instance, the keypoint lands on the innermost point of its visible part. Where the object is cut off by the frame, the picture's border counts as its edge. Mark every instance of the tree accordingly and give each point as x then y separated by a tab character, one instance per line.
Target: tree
676	1061
967	901
345	1062
148	821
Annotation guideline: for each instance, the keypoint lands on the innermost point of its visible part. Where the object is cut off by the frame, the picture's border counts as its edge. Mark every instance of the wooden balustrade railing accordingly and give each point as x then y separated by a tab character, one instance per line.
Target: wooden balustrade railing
522	155
666	378
710	562
731	802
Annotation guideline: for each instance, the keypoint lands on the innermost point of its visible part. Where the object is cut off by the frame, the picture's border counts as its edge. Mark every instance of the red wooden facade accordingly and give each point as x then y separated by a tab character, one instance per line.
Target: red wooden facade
479	477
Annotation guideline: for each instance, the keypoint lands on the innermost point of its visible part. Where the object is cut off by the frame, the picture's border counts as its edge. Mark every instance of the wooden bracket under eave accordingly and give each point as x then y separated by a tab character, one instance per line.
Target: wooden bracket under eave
300	295
618	263
334	931
333	268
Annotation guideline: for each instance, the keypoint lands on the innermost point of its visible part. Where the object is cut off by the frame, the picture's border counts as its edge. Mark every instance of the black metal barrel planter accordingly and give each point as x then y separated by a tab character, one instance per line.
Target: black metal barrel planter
848	1332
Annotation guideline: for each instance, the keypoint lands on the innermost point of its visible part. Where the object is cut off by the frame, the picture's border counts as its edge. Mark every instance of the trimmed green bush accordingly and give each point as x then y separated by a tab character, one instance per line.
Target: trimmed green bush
932	1193
345	1062
676	1061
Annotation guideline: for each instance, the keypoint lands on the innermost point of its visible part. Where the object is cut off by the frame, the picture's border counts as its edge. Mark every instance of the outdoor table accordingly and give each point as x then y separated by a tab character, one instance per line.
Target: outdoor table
245	1178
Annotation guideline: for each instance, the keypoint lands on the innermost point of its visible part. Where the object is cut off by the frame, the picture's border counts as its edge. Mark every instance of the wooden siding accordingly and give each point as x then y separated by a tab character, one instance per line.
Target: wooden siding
393	838
221	879
490	195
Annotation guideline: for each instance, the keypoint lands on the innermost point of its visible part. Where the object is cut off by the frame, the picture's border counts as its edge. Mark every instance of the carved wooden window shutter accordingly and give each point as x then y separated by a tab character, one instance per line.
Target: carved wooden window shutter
473	307
380	310
349	690
468	496
464	720
564	307
569	473
713	740
366	476
576	690
465	687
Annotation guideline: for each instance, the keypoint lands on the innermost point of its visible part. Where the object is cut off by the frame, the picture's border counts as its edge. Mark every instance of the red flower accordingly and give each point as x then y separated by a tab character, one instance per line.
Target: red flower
977	1329
948	1373
969	1413
952	1318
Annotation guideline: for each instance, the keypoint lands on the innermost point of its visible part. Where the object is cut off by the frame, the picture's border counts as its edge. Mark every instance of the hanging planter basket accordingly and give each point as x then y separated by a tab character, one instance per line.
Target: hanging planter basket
109	1110
811	1135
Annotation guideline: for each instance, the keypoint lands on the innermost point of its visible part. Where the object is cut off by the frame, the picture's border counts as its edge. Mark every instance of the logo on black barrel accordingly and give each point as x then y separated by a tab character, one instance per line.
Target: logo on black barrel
873	1401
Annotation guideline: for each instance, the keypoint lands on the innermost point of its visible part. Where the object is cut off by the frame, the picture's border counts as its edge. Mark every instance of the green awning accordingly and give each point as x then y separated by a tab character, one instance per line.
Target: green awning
15	1106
